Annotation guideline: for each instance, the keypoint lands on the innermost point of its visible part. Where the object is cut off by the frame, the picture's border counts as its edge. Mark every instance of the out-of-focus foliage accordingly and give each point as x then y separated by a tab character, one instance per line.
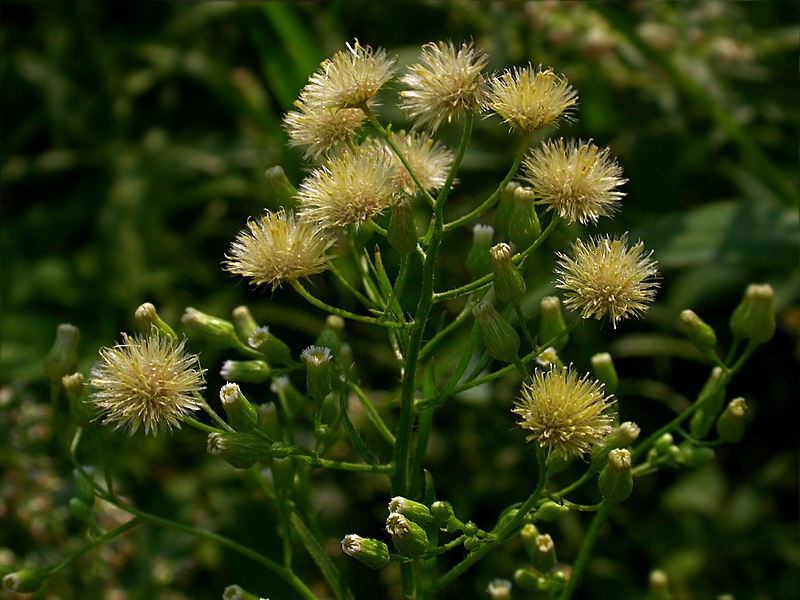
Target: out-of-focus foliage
134	143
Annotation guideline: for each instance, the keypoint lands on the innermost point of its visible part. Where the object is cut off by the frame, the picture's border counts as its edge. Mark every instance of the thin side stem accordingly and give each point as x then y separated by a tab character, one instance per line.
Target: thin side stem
585	552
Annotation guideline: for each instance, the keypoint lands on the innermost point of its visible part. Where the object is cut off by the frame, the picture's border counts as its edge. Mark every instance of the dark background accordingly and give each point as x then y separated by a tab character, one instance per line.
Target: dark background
134	141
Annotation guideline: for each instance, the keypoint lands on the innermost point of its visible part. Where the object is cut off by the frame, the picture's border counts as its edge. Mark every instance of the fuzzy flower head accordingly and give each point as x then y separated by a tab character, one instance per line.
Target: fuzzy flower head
446	84
315	130
349	79
146	382
605	278
565	413
348	189
429	160
529	99
277	248
576	180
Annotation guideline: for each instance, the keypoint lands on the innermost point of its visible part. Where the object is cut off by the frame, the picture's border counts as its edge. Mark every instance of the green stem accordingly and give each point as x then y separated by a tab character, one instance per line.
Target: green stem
465	313
107	536
372	414
211	413
341	312
524	326
585	551
201	426
349	287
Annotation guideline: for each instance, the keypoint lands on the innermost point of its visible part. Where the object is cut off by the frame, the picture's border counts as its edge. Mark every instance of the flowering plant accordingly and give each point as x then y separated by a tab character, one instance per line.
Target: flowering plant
369	182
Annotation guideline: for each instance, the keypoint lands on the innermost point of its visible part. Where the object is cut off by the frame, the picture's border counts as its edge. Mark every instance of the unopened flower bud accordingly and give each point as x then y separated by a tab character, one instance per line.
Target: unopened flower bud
373	553
240	450
63	356
544	556
245	371
523	226
331	335
693	456
147	318
713	396
550	511
505	207
754	318
552	323
527	536
273	348
499	338
499	589
244	323
529	581
26	580
478	261
236	592
402	232
80	411
241	414
658	588
81	511
416	511
615	480
622	437
219	332
471	543
700	333
409	538
279	186
444	517
731	423
509	285
83	487
605	372
318	371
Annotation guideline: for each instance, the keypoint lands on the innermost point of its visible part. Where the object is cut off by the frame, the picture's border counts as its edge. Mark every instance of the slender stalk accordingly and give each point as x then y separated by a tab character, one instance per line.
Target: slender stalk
211	413
349	286
585	552
106	537
465	313
372	414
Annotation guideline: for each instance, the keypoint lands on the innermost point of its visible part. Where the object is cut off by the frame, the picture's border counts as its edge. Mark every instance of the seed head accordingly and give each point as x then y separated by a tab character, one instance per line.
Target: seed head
529	99
445	84
146	382
565	413
576	180
605	278
429	160
277	248
316	129
349	79
348	189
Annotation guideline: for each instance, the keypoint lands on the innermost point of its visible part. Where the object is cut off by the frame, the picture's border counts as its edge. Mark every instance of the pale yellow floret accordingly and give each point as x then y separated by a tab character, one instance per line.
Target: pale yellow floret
317	130
429	160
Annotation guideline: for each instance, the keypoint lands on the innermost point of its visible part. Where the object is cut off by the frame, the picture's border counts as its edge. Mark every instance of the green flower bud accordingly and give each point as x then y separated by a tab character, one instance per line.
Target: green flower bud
754	318
402	233
527	536
703	419
478	261
245	371
318	371
280	189
693	456
552	323
615	480
63	356
605	372
331	335
240	450
80	411
731	423
621	437
529	581
83	487
273	349
373	553
557	463
658	588
241	414
235	592
81	511
409	538
416	511
523	226
244	323
550	511
509	284
499	589
26	580
505	208
147	318
471	543
499	338
444	518
216	331
663	444
544	556
700	333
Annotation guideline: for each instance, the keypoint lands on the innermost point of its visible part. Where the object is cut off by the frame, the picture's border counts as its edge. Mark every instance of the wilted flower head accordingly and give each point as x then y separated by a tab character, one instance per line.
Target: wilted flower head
565	413
146	382
605	278
277	248
348	189
348	79
529	99
316	129
430	161
445	84
577	180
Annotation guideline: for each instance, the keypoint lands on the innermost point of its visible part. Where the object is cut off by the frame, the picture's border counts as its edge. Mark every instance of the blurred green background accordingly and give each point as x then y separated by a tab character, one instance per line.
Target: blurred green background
134	141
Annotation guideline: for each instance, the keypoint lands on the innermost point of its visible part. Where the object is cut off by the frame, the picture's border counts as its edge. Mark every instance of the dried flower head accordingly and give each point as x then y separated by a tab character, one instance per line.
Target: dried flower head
277	248
429	160
348	79
446	83
146	382
565	413
348	189
605	278
316	130
529	99
576	180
